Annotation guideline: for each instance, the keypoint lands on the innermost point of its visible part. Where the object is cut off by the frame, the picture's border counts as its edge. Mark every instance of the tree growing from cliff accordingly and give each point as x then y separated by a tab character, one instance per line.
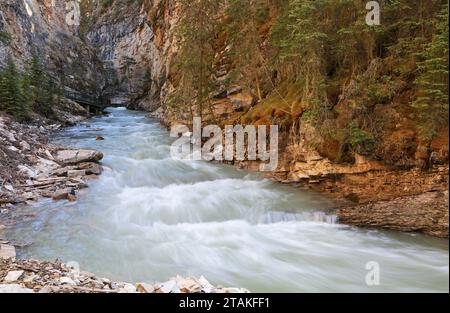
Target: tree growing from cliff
196	33
432	103
244	21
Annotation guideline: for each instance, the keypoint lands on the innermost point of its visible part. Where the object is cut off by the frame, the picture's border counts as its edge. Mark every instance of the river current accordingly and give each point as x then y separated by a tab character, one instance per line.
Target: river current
149	217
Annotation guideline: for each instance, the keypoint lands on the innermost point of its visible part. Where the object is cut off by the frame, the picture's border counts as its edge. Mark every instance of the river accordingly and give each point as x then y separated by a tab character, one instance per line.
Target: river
149	217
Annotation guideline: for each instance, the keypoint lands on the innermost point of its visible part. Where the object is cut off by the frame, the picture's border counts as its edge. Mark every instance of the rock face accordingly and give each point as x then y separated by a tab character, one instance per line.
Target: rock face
54	277
40	27
427	213
133	47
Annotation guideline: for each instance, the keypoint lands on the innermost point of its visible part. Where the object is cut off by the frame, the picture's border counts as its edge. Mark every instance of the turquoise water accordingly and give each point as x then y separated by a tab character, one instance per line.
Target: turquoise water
150	217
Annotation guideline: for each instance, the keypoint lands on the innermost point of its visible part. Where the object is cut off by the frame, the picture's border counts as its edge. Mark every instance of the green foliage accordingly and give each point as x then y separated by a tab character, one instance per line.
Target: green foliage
242	28
107	3
326	49
431	104
43	88
379	92
196	31
5	37
359	140
33	90
14	96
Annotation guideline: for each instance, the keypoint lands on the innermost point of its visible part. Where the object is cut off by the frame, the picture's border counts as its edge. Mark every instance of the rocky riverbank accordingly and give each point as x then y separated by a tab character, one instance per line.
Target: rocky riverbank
32	168
31	276
426	213
373	195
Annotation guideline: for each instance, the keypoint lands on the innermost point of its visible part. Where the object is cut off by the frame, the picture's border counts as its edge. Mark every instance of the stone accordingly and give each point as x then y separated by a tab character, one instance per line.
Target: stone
67	281
25	145
76	173
205	284
71	198
7	252
91	168
62	194
68	157
14	288
9	187
13	276
404	213
145	288
27	170
106	281
189	285
127	288
30	278
169	287
49	155
61	172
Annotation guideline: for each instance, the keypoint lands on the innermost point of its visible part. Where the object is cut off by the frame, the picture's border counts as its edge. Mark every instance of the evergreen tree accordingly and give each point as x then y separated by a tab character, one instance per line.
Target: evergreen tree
14	100
432	102
196	32
42	87
244	17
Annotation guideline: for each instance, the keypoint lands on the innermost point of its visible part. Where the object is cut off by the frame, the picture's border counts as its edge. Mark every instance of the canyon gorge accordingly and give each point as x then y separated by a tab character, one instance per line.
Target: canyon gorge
354	153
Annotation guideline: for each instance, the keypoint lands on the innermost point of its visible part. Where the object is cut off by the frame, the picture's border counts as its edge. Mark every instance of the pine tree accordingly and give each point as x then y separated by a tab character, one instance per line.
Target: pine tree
243	31
431	104
13	98
196	32
42	88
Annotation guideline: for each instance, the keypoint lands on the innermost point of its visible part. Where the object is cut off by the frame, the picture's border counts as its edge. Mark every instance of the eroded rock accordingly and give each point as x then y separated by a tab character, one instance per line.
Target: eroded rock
70	157
426	213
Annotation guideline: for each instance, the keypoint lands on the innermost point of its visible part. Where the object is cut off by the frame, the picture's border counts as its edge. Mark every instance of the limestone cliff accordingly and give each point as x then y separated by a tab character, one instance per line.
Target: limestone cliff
132	41
40	27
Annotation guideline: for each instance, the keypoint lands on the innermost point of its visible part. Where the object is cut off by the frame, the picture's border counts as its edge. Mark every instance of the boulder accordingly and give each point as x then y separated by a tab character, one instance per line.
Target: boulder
7	252
13	276
63	194
68	157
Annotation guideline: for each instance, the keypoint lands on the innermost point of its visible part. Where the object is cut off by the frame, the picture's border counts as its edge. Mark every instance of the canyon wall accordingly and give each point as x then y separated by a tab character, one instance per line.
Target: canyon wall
365	132
132	40
40	28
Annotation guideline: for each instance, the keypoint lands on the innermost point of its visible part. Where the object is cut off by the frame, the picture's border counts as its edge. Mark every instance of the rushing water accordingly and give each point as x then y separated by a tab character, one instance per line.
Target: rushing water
149	217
